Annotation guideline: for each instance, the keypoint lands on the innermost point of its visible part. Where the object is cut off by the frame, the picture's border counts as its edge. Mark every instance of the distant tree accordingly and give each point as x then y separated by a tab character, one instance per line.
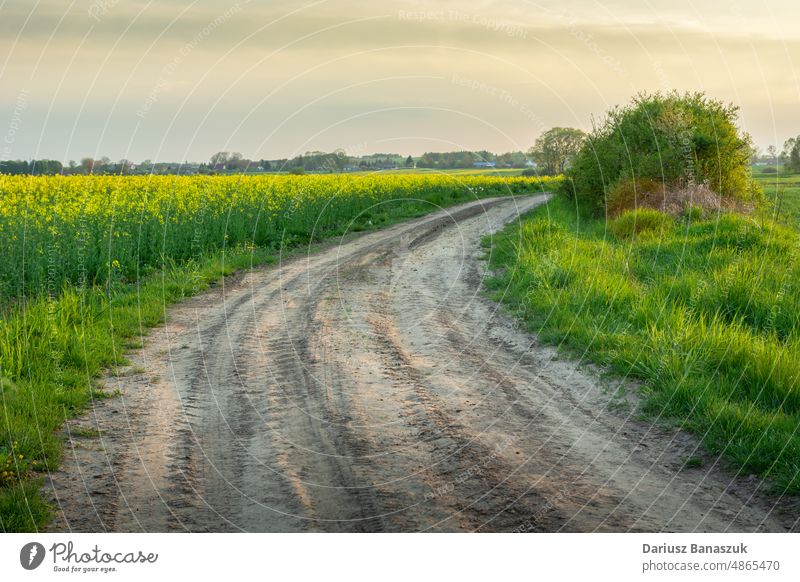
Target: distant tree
34	167
428	160
409	162
46	167
755	151
219	160
518	159
14	167
556	147
772	152
236	161
88	165
791	154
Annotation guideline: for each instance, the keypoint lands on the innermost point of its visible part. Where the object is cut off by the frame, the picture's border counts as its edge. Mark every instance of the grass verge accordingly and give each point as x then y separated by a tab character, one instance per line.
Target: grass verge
705	311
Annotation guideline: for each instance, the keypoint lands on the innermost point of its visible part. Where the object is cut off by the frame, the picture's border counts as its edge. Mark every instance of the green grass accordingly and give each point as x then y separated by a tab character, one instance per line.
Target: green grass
783	190
53	348
705	313
67	342
450	172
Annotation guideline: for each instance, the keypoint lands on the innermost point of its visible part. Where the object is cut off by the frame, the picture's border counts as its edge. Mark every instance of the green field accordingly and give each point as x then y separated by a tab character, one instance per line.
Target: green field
704	312
501	172
783	190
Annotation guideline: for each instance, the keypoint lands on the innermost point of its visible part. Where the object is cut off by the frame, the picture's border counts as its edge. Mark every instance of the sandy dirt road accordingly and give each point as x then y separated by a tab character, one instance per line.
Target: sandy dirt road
369	387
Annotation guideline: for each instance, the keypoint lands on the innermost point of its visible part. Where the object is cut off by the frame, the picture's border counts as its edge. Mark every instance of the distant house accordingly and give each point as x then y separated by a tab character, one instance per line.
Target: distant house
530	164
484	164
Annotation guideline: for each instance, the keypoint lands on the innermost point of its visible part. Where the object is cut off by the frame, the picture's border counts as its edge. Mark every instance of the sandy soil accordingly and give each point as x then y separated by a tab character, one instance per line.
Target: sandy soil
370	387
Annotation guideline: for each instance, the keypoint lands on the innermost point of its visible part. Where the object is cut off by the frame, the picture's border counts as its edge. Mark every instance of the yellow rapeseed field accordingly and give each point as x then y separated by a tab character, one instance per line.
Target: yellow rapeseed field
84	229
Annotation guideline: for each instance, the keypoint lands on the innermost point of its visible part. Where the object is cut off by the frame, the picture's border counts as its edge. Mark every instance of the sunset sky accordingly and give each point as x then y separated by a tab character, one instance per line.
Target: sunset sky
179	80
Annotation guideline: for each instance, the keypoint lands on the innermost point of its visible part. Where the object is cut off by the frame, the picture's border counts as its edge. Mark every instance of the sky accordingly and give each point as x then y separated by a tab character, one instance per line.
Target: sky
174	80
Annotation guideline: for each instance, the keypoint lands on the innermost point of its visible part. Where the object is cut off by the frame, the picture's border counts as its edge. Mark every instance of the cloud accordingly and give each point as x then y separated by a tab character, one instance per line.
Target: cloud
214	64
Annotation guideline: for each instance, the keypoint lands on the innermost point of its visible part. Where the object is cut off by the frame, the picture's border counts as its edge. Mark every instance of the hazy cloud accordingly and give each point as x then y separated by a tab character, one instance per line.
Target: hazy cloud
180	79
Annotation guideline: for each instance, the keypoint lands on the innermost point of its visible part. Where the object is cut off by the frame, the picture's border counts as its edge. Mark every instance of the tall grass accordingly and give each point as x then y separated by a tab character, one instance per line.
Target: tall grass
706	313
782	189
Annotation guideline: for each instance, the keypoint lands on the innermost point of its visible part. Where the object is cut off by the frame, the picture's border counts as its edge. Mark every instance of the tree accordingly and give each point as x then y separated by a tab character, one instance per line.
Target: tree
555	148
791	154
671	139
518	159
88	165
772	152
409	162
236	161
504	160
755	151
428	160
46	167
14	167
219	159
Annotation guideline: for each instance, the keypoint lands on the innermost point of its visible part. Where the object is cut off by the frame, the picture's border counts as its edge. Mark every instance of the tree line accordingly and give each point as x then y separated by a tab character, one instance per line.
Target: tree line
551	154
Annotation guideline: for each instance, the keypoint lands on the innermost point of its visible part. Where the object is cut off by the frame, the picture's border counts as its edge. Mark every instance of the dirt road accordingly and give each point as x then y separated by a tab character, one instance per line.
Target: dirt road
369	387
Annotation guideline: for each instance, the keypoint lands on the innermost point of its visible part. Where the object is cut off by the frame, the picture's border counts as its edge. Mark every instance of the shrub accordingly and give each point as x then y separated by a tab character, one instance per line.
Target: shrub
672	139
676	201
630	194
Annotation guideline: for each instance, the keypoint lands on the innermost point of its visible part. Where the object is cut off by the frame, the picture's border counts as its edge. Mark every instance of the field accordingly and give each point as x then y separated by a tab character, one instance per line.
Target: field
705	312
449	172
783	190
91	262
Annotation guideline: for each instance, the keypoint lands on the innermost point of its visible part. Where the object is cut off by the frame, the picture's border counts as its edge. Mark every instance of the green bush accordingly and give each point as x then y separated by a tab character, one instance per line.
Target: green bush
675	140
628	194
